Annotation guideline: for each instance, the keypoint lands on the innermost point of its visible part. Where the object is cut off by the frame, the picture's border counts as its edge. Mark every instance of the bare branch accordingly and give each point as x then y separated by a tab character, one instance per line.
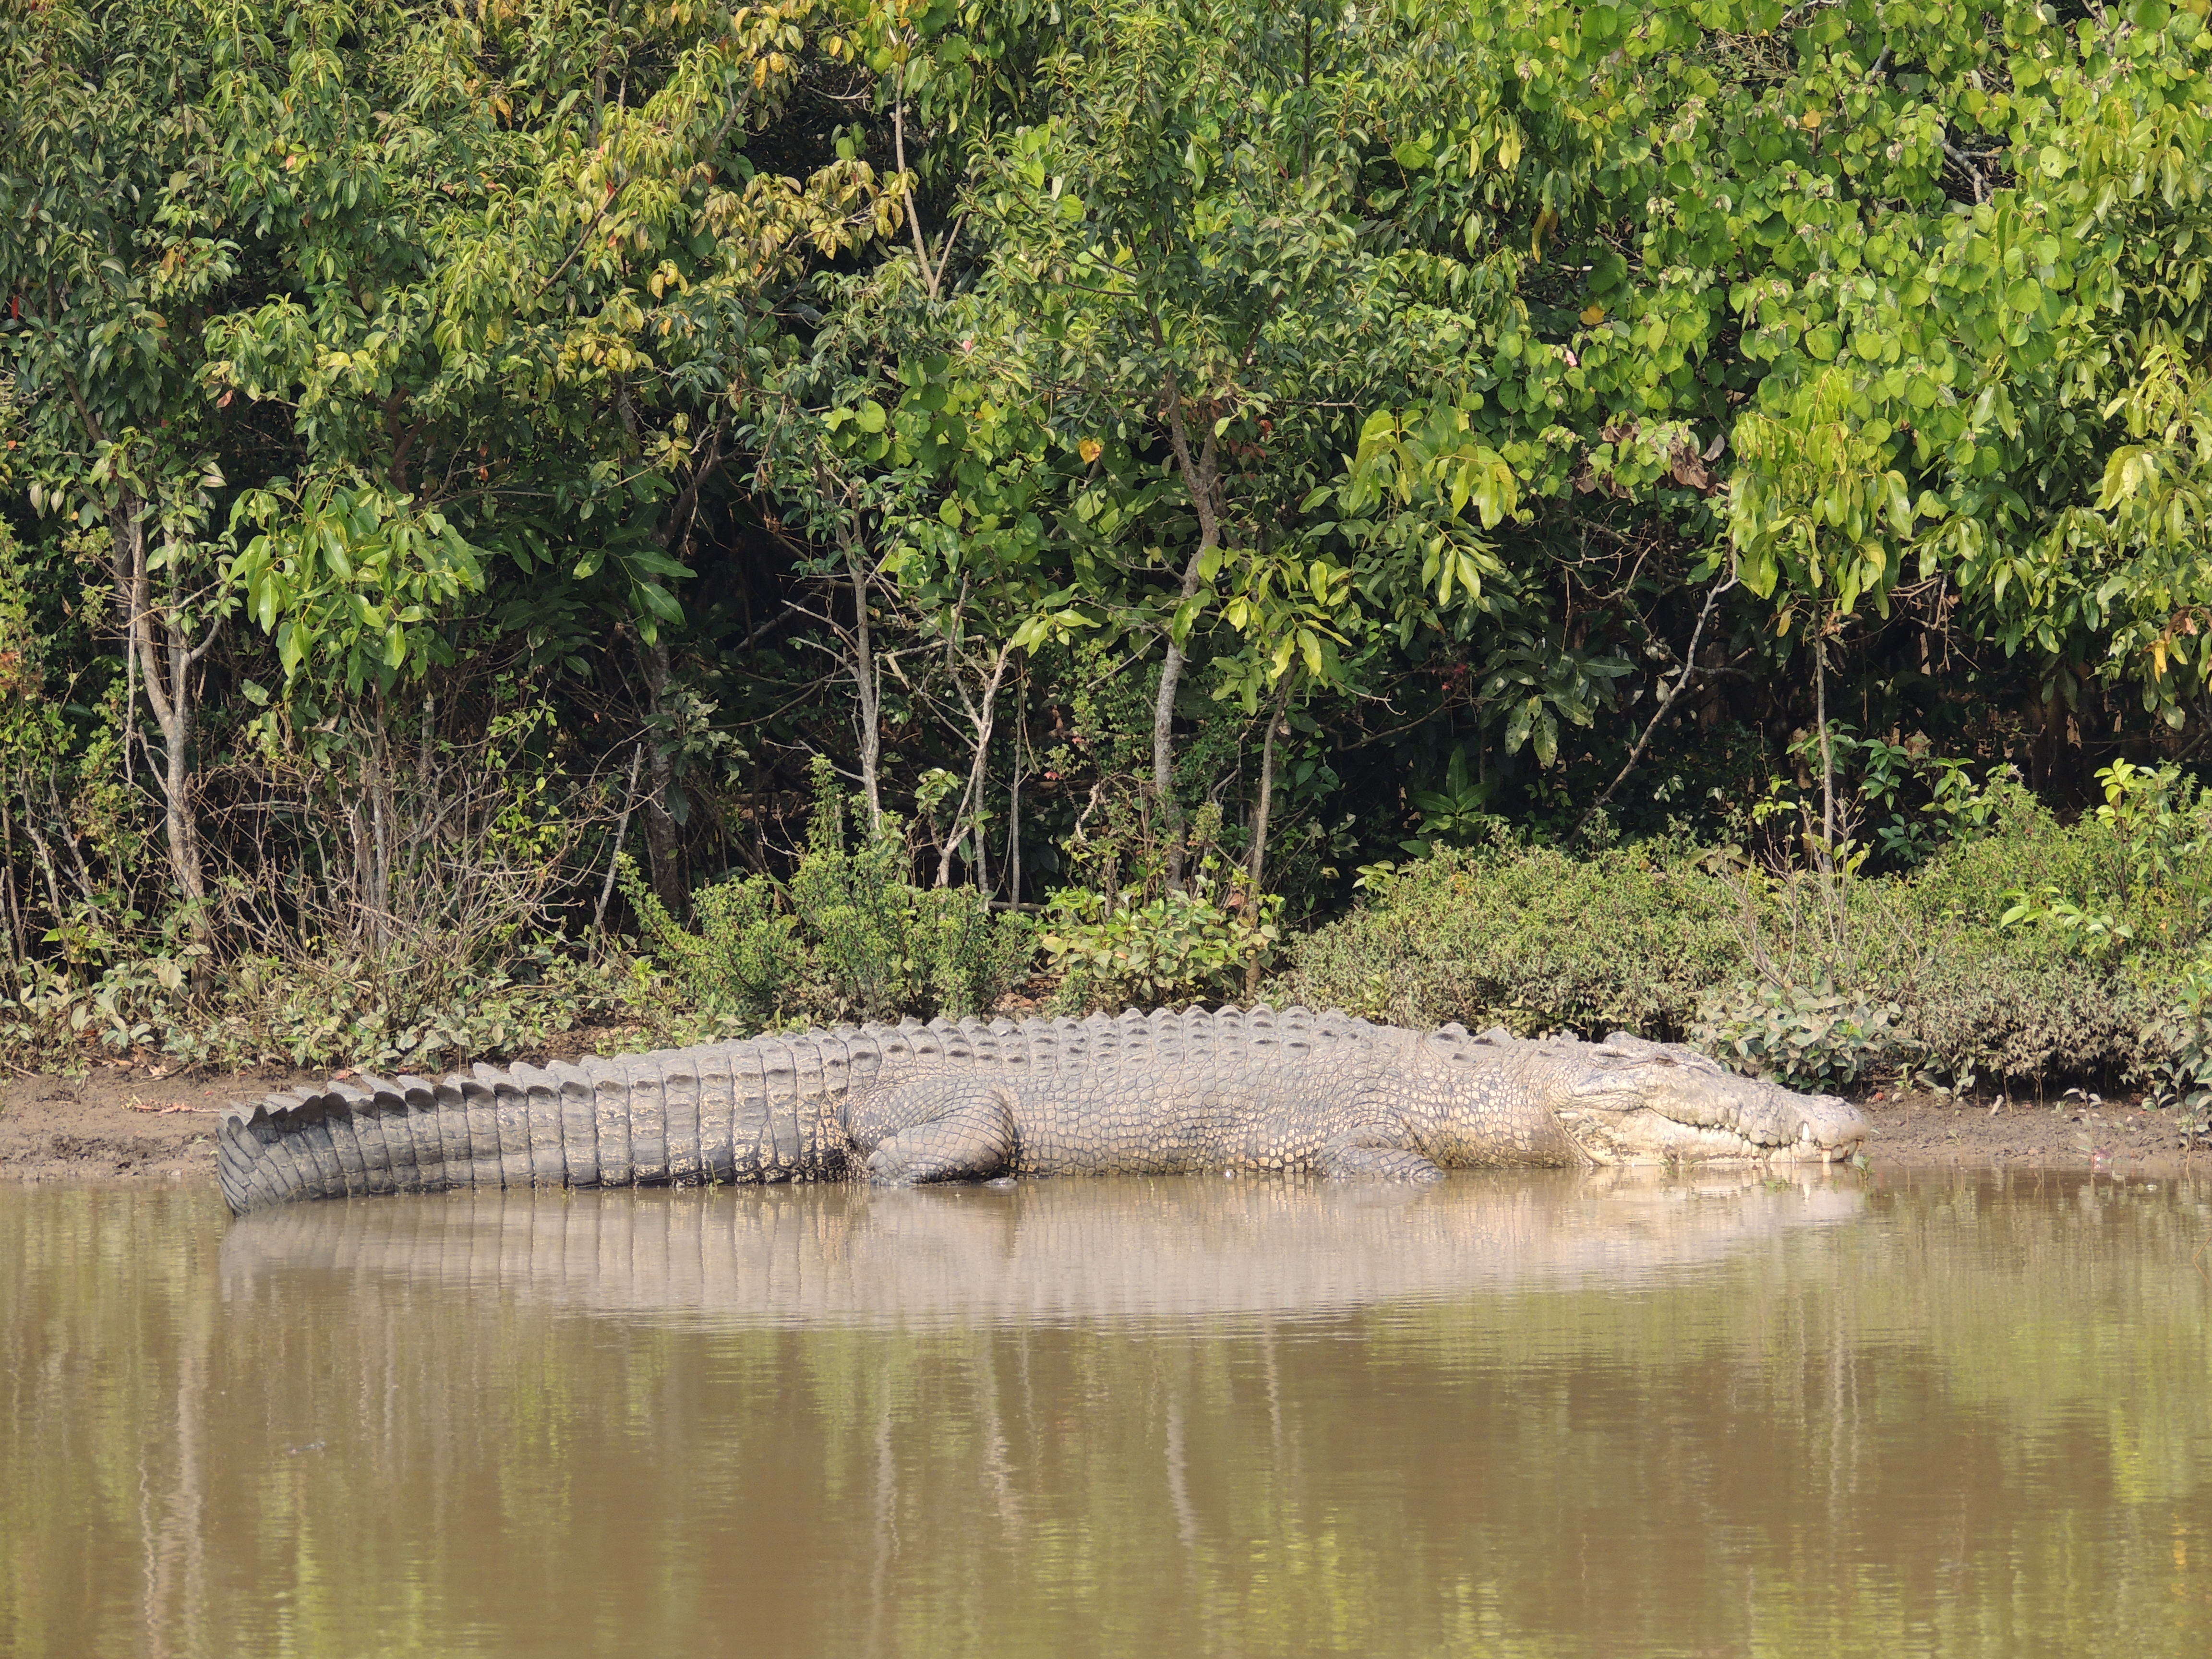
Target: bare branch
1674	694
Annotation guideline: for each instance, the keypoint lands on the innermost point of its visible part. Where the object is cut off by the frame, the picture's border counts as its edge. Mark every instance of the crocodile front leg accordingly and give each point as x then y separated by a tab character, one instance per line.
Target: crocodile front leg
943	1128
1374	1152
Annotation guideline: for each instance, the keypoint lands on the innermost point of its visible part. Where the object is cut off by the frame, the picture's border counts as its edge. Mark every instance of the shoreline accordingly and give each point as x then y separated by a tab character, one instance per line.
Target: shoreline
129	1126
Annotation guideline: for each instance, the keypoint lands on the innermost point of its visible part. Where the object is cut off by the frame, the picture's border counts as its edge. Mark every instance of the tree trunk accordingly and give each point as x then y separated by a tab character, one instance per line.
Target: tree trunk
663	852
1262	809
663	848
1257	862
45	856
931	277
985	717
870	687
1014	803
1826	857
1201	481
165	664
866	684
377	905
20	938
621	830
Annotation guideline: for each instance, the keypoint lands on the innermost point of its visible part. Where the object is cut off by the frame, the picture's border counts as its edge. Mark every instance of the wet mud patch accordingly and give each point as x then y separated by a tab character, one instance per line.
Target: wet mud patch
1915	1131
115	1124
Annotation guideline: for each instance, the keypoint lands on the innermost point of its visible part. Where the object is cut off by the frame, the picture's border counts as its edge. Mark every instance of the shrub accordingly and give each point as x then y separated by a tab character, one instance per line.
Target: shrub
1973	1000
1183	948
2178	1042
312	1010
1821	980
1976	1009
1815	1038
1528	938
2133	875
741	958
850	938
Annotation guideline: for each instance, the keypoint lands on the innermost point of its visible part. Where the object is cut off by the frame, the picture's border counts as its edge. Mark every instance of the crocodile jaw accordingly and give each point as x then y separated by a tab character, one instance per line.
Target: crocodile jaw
1647	1102
1644	1135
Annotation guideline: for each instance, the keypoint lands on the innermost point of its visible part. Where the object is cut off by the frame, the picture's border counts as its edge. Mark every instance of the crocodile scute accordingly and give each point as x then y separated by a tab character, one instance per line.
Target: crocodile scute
1292	1091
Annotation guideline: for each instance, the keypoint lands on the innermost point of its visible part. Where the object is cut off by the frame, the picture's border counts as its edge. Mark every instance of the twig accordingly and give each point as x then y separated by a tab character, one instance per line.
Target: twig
913	211
622	829
1972	166
772	624
1681	683
582	238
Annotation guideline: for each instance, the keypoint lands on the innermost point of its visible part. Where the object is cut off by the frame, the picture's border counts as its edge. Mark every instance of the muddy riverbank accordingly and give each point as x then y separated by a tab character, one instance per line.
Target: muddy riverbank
118	1123
125	1124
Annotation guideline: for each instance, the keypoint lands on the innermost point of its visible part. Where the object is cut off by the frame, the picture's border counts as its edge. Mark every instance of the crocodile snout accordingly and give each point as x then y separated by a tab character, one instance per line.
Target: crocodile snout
1640	1101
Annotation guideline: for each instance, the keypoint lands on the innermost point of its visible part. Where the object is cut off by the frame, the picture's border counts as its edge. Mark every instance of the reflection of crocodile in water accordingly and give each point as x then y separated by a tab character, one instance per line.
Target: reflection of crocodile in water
1049	1251
1295	1093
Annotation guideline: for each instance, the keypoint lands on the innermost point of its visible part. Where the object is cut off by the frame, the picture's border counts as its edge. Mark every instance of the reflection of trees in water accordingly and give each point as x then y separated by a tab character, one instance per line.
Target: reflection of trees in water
1980	1407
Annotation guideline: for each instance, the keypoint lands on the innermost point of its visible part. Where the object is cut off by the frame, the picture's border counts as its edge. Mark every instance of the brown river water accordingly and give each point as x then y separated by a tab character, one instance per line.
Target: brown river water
1508	1416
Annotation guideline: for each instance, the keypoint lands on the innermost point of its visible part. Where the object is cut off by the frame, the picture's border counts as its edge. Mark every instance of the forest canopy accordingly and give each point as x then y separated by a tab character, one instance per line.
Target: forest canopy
1172	454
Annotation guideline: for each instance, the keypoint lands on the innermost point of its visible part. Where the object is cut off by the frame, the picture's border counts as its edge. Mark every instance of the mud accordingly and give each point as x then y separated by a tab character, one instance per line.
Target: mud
2117	1137
130	1125
118	1124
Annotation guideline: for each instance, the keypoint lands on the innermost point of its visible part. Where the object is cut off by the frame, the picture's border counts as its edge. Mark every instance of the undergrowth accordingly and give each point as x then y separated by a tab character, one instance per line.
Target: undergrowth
2027	953
314	1011
1209	942
849	938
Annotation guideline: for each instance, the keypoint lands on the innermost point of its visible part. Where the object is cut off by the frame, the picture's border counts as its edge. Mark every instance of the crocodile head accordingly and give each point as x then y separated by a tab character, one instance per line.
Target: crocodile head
1626	1101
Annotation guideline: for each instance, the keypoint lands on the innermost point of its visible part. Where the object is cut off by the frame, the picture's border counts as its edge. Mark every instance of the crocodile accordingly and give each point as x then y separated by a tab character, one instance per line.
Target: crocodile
1234	1091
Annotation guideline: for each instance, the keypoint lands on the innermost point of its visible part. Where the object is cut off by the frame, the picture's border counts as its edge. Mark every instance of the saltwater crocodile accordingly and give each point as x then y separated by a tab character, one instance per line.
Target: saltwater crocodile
1294	1092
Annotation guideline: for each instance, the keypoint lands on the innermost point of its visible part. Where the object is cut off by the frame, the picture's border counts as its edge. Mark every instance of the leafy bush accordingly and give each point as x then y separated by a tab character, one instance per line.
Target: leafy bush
850	938
1813	1039
1818	979
2136	874
1973	1000
1184	947
1528	938
1981	1011
2048	951
2178	1039
314	1011
337	1012
742	955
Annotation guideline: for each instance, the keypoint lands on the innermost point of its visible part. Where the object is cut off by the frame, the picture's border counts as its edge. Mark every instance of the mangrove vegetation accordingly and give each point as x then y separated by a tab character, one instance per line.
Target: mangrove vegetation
649	514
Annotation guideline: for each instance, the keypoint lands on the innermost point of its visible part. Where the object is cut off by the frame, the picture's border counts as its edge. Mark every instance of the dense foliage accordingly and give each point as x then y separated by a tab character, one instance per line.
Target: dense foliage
2033	954
1172	456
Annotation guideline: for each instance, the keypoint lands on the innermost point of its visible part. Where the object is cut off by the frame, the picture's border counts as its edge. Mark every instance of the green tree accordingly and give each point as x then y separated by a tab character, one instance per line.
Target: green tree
107	293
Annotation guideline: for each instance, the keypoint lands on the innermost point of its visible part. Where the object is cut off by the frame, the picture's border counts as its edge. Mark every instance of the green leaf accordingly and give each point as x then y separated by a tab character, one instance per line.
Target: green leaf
1545	731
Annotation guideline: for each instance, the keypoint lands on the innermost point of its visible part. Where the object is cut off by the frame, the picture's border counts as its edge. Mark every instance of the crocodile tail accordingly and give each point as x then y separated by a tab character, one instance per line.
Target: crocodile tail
754	1111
